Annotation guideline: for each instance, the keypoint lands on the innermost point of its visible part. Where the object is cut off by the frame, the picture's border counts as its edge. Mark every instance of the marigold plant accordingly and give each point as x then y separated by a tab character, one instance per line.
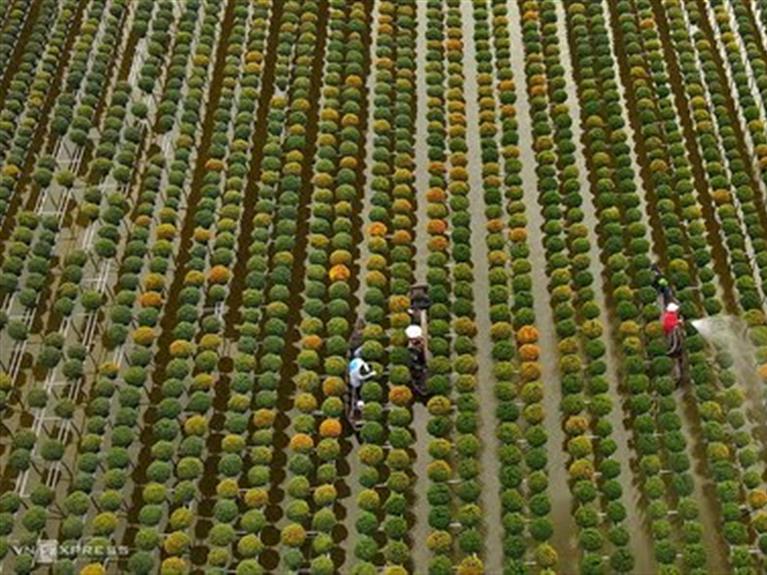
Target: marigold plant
301	443
150	299
527	334
174	566
339	272
219	274
400	395
330	427
256	497
143	335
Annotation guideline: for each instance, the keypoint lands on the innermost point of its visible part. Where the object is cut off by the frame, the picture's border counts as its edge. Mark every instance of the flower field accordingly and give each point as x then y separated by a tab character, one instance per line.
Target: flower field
210	210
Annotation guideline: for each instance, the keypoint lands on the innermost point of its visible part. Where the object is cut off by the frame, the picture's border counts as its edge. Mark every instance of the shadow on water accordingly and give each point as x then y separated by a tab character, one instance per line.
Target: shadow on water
238	286
168	321
713	228
17	57
270	557
732	111
38	137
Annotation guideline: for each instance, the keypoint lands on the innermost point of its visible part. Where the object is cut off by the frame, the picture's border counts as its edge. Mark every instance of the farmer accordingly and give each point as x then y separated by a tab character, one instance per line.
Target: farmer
355	341
359	372
417	355
419	301
671	319
413	333
664	289
660	283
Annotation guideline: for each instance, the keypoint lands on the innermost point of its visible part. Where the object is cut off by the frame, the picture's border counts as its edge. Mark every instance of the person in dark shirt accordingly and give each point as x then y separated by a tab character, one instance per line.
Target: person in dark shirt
417	356
661	285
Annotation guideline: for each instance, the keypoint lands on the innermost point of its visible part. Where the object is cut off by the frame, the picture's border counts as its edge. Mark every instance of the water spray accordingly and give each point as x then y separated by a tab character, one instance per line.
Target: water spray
729	334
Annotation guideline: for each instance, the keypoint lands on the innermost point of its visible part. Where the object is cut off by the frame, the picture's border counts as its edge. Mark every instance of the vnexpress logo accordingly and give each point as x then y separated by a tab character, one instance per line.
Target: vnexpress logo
47	551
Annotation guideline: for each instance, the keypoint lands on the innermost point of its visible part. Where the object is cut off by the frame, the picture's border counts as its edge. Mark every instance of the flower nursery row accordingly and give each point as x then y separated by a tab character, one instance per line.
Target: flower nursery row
212	212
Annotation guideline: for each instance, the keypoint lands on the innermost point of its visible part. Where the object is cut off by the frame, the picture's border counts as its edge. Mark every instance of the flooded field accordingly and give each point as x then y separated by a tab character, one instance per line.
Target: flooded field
383	286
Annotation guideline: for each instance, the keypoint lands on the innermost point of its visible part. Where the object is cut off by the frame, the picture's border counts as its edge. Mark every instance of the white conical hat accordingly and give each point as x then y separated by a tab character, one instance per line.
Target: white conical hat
672	307
413	331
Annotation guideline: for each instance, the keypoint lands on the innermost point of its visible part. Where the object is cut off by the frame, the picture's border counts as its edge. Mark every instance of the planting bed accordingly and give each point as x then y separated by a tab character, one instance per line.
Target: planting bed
202	202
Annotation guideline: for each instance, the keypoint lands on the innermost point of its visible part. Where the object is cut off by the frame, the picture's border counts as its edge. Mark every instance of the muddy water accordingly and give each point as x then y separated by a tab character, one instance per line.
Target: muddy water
168	320
69	235
420	530
704	491
691	428
563	539
689	424
640	543
490	501
707	494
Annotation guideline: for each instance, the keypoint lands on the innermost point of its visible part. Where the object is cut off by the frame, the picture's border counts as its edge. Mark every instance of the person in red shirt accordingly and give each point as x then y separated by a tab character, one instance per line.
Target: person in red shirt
671	318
